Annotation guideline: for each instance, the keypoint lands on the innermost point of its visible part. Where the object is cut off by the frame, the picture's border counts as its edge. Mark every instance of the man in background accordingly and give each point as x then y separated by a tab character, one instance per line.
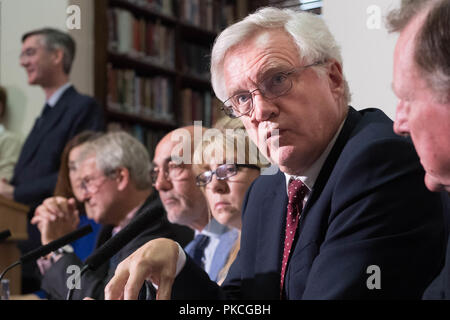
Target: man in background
185	203
109	175
422	84
47	56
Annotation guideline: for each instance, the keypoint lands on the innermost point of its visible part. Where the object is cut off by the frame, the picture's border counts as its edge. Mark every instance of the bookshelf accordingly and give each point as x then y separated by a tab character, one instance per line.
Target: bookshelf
152	62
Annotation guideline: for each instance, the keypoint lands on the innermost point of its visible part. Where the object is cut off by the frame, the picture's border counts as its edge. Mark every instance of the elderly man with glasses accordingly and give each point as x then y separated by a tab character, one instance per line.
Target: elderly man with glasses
111	178
347	216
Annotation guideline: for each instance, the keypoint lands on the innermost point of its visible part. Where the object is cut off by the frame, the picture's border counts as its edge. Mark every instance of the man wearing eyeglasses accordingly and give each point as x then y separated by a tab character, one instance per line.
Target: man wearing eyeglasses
184	202
111	179
347	216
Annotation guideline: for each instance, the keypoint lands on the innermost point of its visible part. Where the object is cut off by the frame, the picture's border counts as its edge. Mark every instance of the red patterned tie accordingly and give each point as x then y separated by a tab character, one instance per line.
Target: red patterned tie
296	193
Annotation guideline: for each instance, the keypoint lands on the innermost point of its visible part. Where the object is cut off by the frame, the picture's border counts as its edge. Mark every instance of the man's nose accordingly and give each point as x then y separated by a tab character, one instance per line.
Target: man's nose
401	119
263	108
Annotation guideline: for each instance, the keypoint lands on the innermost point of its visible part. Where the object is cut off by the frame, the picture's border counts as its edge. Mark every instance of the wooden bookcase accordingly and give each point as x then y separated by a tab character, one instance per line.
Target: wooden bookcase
152	62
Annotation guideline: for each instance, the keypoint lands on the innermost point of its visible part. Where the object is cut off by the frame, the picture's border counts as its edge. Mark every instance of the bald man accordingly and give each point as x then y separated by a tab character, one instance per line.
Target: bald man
184	202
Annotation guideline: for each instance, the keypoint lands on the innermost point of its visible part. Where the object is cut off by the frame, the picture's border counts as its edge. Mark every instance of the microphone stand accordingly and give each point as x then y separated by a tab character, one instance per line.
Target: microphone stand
9	268
71	290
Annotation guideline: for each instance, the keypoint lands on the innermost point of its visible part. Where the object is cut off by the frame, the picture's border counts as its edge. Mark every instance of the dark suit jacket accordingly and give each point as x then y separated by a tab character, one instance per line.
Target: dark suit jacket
54	281
369	206
439	289
36	171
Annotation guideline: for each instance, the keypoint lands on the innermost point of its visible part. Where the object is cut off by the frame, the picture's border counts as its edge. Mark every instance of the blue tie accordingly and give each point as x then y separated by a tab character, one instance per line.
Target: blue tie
196	249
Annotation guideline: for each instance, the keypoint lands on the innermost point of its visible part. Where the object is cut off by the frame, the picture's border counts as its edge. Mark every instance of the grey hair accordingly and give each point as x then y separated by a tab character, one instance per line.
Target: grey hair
55	39
309	32
119	149
431	52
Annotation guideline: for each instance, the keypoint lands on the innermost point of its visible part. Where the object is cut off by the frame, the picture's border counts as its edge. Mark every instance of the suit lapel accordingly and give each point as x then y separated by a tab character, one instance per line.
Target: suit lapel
36	136
271	223
349	125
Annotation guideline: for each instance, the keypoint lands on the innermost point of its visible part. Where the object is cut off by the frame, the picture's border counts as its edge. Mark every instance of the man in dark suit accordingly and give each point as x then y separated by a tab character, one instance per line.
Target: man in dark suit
348	216
421	82
47	56
111	179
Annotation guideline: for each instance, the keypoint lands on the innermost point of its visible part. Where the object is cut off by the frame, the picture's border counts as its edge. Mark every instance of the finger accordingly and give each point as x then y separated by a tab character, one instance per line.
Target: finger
165	288
51	206
115	287
63	207
138	274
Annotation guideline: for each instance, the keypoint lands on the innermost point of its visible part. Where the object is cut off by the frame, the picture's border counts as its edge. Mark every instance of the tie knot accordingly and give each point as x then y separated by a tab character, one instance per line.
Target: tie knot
297	190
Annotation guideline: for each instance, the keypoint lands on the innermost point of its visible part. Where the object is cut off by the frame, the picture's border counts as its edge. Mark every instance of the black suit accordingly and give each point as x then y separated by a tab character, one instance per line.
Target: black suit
439	289
93	283
368	206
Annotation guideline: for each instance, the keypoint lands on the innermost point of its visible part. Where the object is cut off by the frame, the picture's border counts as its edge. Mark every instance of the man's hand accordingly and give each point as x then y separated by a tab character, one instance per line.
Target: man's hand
6	189
56	217
156	261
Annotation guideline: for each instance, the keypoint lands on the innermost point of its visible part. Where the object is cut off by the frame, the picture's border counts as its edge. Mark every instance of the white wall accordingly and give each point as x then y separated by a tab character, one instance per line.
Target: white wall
367	52
21	16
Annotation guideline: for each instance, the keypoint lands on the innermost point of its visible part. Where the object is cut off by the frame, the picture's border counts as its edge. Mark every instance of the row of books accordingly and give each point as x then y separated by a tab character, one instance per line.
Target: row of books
148	137
213	15
131	93
200	106
195	60
150	41
163	6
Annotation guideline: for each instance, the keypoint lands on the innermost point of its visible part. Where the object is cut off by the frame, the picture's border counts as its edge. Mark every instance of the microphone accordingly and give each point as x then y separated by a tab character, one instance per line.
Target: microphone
4	235
51	246
117	242
56	244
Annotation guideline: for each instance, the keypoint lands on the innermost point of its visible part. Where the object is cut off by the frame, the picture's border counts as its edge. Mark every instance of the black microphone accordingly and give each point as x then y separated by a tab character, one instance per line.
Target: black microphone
56	244
114	244
51	246
4	235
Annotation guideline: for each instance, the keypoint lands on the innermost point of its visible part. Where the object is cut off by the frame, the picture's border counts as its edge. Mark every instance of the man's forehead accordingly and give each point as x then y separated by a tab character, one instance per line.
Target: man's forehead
87	165
36	40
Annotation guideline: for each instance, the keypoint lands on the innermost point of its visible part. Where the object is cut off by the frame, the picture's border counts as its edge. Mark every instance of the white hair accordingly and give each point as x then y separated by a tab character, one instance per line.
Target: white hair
309	32
121	150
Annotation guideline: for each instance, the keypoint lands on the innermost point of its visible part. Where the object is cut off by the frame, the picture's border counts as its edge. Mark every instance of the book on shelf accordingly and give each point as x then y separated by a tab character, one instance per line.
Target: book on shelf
199	106
195	60
150	97
139	38
147	136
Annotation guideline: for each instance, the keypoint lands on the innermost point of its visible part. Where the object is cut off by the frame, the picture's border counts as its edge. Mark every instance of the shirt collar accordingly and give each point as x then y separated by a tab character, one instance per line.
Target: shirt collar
214	229
53	100
310	176
127	219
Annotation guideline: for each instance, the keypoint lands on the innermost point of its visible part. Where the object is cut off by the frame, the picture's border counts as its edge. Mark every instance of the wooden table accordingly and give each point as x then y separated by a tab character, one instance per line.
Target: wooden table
13	216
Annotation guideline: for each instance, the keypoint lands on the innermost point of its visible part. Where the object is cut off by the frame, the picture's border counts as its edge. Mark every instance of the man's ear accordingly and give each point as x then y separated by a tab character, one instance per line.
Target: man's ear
123	178
336	79
58	56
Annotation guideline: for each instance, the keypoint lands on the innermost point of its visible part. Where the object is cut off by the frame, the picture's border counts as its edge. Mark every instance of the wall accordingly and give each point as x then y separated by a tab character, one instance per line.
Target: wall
367	49
19	16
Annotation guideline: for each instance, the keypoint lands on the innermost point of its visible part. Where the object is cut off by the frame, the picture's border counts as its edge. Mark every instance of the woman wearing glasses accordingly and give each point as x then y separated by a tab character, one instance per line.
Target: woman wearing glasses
225	180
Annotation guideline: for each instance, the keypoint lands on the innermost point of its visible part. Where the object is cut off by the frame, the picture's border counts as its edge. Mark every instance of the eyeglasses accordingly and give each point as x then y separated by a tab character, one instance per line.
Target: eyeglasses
272	87
29	52
222	172
172	172
91	185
